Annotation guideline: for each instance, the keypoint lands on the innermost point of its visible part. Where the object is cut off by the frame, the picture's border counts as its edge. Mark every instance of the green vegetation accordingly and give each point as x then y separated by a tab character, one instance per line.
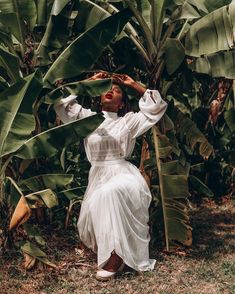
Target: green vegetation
183	48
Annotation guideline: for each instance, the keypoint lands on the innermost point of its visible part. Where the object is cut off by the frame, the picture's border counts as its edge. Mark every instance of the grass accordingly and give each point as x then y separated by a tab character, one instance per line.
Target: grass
207	267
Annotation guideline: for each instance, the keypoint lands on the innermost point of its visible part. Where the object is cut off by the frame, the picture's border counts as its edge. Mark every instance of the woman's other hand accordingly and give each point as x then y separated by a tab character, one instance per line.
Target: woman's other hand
124	79
99	76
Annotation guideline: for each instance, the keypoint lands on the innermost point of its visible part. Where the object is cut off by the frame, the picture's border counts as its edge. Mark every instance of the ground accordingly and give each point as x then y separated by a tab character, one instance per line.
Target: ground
207	267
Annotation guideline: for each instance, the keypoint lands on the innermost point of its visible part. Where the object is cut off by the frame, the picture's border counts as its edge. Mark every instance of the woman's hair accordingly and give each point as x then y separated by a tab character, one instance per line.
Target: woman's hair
121	112
126	105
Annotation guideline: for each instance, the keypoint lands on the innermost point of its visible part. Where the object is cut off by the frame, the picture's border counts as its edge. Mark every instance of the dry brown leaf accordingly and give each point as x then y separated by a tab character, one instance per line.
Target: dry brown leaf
29	261
21	214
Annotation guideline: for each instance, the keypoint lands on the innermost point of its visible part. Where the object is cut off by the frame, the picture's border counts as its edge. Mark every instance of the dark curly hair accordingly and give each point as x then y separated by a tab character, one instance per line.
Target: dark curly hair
121	112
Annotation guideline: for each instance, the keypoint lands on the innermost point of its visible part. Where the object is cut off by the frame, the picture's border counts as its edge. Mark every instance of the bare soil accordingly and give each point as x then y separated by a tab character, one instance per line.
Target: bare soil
207	267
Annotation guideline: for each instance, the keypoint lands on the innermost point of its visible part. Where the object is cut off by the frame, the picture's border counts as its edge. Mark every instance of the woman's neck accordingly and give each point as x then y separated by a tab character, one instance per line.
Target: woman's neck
109	109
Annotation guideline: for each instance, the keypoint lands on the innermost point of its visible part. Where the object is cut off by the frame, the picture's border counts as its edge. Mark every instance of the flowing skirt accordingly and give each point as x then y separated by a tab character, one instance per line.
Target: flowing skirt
114	214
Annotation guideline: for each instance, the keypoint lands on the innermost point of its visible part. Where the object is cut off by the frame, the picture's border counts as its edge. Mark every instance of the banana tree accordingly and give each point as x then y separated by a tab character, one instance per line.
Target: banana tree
157	33
22	95
69	48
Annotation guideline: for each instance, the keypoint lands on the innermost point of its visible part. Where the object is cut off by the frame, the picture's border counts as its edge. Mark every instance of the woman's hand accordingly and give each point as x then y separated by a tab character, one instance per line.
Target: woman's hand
99	76
124	79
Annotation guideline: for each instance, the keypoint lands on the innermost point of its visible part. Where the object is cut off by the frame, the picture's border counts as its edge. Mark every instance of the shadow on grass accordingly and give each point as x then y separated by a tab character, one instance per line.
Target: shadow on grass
213	232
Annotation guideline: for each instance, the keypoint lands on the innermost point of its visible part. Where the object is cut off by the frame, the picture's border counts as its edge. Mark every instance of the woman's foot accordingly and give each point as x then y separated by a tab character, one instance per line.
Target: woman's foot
114	265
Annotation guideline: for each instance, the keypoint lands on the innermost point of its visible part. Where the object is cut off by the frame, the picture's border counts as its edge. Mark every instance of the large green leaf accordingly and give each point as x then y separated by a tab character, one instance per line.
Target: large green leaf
188	12
48	143
173	183
16	119
15	13
57	32
58	5
157	16
174	51
151	48
36	253
82	53
175	186
44	197
221	64
188	130
200	187
40	182
5	36
212	5
42	15
144	7
12	191
212	33
11	64
25	10
229	117
74	193
85	88
15	24
102	11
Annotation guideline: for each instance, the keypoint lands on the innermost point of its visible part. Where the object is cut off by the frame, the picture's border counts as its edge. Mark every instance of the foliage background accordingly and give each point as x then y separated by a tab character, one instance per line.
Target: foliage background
182	48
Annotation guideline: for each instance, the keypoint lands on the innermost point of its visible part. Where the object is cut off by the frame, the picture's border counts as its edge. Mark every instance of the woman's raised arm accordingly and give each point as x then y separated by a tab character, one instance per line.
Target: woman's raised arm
69	110
152	107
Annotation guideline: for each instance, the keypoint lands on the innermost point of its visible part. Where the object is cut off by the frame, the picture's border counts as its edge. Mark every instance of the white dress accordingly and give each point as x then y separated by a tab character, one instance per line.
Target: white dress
114	213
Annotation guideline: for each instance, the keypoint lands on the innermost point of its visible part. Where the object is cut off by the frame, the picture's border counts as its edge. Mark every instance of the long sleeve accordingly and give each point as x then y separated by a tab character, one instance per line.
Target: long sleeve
69	110
150	113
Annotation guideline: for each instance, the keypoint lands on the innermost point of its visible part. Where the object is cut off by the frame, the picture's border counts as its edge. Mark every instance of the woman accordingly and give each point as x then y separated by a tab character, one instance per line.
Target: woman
114	214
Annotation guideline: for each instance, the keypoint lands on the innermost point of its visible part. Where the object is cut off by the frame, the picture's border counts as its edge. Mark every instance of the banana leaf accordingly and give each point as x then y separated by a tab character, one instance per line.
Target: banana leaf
24	10
40	182
144	6
221	64
199	4
34	233
102	11
14	14
48	143
23	208
157	17
173	184
188	12
33	251
12	191
229	117
82	53
58	31
74	193
188	130
58	6
212	33
199	186
44	197
16	119
42	14
175	54
11	64
83	88
212	5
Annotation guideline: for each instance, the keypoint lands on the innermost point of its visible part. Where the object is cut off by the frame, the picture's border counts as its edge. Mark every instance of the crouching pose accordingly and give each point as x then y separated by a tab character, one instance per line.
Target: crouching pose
113	220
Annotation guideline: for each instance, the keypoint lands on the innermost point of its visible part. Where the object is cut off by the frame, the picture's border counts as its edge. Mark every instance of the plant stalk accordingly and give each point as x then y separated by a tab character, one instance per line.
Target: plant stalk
156	140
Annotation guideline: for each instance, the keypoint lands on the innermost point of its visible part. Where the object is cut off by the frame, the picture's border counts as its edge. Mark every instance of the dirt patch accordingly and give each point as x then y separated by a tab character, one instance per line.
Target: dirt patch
207	267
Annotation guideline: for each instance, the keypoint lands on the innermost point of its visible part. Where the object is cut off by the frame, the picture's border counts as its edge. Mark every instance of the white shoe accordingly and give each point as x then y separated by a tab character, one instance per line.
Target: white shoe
103	275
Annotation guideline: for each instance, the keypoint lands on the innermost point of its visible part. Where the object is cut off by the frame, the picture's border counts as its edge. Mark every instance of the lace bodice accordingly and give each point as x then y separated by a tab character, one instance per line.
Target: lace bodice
115	137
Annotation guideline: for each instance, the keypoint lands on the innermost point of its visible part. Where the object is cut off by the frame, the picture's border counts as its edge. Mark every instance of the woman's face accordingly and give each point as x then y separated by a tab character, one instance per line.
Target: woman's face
112	100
